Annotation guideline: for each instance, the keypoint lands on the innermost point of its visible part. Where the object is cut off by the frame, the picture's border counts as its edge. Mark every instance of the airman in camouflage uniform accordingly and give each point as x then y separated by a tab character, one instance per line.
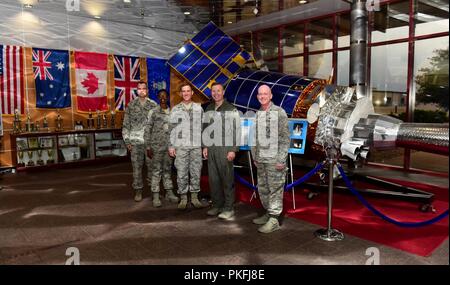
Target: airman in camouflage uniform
156	141
185	146
270	154
133	128
221	119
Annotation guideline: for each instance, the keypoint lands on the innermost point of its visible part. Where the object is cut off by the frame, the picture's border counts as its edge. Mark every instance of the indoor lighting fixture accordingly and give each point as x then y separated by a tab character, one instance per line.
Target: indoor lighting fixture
187	13
97	17
29	6
126	1
229	22
302	1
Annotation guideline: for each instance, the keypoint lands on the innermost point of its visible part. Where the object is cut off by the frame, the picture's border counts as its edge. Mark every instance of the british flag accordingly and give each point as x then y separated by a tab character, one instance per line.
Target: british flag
126	77
41	64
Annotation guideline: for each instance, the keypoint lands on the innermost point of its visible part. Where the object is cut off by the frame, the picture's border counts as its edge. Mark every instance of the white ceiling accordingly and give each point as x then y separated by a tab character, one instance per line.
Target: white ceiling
156	14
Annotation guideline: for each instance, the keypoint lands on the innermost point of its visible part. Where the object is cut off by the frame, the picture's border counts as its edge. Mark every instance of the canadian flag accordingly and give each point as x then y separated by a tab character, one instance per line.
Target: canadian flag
91	73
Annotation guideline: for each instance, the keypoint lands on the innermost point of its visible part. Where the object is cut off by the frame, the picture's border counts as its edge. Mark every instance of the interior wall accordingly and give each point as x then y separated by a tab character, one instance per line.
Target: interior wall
55	30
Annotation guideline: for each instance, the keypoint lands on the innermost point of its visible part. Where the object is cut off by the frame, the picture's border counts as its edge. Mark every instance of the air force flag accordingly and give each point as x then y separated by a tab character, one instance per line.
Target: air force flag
158	73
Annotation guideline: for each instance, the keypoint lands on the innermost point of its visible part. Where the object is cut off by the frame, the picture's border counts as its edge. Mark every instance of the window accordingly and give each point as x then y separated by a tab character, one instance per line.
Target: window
320	34
320	65
246	41
292	39
431	80
431	16
269	43
272	65
343	68
293	65
343	30
391	22
389	70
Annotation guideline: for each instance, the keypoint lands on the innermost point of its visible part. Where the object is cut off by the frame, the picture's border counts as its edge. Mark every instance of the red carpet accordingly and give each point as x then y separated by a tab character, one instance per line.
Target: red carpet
351	217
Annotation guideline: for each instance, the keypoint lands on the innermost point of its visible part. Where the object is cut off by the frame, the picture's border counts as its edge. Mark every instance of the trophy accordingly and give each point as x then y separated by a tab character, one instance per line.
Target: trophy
45	124
17	128
40	161
50	156
28	124
30	158
78	126
59	123
99	120
113	120
20	155
36	126
105	121
90	121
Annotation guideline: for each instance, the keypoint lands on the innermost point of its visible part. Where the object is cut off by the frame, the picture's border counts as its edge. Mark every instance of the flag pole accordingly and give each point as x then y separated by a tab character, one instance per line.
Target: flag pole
70	71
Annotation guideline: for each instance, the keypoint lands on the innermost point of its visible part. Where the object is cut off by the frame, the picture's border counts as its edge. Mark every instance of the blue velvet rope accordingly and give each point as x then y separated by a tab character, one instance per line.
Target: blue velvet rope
381	215
305	177
297	182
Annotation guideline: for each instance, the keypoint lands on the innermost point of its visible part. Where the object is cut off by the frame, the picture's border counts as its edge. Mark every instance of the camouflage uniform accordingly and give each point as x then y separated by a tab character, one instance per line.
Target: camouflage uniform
157	139
188	159
220	170
270	180
133	128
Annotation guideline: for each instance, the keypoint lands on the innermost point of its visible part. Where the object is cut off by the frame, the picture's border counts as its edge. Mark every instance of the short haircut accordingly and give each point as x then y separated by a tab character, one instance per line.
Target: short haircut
161	91
142	82
186	84
217	83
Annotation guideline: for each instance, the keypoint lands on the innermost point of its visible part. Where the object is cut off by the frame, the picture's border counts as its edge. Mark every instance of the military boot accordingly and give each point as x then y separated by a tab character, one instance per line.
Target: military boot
271	226
156	201
195	202
261	220
214	211
138	195
226	215
183	202
170	196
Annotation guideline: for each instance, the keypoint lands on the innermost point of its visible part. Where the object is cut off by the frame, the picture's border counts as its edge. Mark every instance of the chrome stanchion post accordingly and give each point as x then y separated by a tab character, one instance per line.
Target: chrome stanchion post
249	156
330	234
292	180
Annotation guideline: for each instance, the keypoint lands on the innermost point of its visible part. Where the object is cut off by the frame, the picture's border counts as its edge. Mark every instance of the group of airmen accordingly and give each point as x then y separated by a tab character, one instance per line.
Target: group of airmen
160	138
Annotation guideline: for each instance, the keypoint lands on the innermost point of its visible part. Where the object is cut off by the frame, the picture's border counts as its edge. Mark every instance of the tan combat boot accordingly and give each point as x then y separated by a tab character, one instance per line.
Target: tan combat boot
226	215
214	211
271	226
183	202
195	202
156	201
170	196
138	195
261	220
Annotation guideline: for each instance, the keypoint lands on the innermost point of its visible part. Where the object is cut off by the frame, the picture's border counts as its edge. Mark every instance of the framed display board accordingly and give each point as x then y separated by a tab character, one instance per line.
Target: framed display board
297	134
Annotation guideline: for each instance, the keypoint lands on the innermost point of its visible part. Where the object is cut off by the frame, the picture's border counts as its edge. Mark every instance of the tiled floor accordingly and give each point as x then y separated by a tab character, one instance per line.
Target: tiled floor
42	214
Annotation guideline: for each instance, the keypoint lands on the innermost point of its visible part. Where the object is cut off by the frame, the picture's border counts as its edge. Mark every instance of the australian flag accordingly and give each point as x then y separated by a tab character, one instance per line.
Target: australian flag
51	75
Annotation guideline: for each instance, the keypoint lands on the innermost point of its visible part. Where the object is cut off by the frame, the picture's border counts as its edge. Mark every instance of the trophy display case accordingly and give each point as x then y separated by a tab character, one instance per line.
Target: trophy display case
75	147
35	150
43	149
109	144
